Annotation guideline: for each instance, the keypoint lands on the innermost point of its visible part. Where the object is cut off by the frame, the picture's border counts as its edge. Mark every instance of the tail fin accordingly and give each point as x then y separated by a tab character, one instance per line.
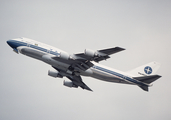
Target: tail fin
145	70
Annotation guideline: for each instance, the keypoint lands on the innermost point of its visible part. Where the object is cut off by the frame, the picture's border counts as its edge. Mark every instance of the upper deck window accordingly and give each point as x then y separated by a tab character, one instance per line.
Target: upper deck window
36	44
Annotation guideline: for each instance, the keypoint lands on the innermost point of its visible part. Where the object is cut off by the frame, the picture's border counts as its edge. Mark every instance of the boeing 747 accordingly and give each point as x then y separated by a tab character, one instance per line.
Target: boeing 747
84	64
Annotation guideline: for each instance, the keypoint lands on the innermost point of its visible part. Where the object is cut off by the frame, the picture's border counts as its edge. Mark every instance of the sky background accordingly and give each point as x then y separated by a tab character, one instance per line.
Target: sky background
142	27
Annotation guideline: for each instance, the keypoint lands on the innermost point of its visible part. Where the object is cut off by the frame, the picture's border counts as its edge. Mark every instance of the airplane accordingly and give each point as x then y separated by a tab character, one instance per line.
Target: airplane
73	66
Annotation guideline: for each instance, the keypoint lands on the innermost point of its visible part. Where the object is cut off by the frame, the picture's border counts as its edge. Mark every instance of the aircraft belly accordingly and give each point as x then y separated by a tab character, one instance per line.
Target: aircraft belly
45	57
55	63
107	77
31	52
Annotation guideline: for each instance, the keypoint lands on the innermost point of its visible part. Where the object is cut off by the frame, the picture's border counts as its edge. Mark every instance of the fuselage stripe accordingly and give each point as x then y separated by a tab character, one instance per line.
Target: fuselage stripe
118	75
18	43
35	47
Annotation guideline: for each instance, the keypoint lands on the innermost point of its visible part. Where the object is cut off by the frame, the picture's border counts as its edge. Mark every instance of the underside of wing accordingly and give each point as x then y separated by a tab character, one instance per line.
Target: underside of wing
76	64
98	55
111	50
77	80
81	62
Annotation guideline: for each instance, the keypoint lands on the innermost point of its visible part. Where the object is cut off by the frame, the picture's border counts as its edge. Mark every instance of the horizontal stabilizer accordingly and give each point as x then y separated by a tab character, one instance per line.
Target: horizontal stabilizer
145	88
148	79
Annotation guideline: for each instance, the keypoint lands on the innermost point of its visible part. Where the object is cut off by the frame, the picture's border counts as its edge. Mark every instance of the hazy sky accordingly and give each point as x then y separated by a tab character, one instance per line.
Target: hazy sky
142	27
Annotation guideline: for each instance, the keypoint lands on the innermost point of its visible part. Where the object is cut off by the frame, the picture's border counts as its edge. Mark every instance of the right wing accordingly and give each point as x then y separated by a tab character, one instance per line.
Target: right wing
111	50
98	55
83	62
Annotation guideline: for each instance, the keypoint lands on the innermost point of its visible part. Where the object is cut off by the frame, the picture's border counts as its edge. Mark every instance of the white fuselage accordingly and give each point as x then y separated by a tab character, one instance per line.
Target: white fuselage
45	52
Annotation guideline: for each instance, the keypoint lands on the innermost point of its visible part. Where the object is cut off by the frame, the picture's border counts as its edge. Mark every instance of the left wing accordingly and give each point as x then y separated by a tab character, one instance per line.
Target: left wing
77	81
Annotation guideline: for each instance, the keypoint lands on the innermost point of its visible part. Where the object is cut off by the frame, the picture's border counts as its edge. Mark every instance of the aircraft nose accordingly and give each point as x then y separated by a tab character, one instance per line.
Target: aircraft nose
11	44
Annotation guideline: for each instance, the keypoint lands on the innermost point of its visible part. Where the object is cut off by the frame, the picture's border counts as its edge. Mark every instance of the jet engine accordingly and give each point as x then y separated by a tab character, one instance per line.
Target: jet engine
54	74
90	53
69	84
64	55
96	54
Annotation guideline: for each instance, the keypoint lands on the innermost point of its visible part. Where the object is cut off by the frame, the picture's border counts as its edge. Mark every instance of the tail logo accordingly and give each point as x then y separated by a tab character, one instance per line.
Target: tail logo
148	70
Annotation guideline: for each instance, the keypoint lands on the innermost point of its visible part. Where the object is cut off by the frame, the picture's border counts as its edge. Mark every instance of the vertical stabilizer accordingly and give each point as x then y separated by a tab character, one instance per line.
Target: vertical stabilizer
145	70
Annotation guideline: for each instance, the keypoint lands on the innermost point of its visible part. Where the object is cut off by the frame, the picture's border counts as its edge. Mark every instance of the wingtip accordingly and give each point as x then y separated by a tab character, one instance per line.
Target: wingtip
89	89
121	48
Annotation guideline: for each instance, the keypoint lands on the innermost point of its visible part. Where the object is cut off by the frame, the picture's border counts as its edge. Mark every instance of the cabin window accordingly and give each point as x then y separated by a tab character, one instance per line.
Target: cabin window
36	44
48	51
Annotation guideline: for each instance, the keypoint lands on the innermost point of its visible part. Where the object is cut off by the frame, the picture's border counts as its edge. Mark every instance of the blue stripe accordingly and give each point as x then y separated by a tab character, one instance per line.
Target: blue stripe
118	75
18	43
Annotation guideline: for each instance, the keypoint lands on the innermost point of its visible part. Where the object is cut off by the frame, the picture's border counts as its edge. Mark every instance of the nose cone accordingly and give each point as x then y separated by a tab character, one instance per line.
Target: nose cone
11	43
8	42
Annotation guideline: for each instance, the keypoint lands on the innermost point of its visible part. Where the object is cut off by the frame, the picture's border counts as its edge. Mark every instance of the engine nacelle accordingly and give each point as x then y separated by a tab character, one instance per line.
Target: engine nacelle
90	53
69	84
47	58
54	74
64	55
88	72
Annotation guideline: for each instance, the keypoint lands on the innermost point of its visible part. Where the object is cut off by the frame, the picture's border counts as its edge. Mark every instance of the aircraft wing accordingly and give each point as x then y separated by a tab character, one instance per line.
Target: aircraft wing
98	55
77	81
83	62
76	64
111	50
